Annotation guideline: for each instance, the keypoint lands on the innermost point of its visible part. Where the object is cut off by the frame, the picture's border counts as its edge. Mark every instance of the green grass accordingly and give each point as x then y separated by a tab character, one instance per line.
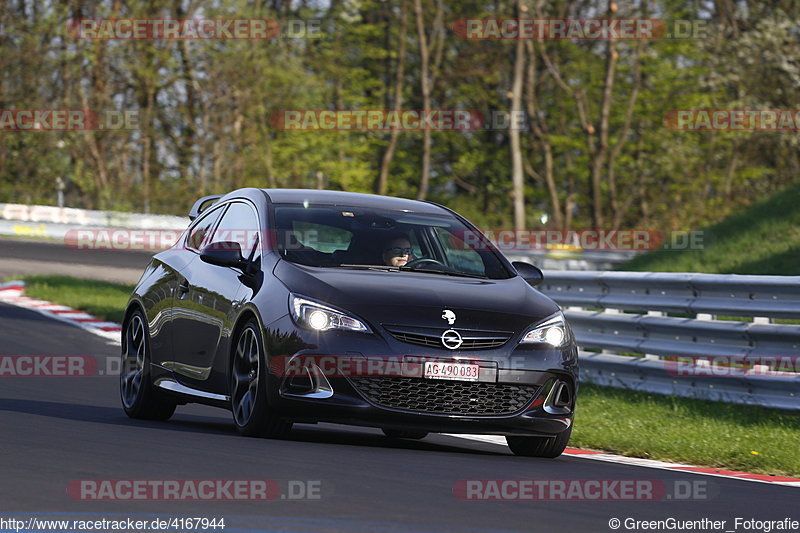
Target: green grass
690	431
39	238
625	422
761	239
99	298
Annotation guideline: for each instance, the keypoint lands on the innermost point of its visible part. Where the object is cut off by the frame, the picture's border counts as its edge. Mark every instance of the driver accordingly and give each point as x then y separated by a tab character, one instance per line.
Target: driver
397	251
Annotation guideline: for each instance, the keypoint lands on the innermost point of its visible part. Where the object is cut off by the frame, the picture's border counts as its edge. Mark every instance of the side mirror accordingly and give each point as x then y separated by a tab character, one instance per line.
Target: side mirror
529	273
226	253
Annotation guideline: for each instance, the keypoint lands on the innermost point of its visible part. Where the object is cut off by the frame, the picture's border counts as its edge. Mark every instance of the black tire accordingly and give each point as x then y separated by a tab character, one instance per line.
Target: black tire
404	434
540	446
248	387
139	398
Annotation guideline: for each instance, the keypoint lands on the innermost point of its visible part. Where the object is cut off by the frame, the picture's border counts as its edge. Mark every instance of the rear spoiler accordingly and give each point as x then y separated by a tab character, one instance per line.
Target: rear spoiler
197	208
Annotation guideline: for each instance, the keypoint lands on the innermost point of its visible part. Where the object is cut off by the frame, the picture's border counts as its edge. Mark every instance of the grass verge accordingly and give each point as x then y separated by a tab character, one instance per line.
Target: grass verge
99	298
668	428
763	238
630	423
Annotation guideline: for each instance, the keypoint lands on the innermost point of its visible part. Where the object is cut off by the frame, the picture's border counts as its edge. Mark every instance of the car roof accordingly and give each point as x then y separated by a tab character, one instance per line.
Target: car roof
353	199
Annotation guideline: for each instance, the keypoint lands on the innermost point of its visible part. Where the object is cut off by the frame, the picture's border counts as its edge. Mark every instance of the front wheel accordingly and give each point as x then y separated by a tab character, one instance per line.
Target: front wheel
251	414
540	446
139	399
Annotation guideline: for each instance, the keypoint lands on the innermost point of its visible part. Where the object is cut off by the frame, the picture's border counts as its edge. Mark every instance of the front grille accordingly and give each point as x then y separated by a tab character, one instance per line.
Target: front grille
445	396
473	339
413	338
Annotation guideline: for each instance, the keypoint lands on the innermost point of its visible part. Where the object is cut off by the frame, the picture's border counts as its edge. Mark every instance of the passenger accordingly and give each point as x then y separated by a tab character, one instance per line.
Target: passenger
398	251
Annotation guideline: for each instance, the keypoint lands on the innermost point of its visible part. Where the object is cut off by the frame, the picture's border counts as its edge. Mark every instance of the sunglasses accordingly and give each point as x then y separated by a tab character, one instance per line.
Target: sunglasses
399	251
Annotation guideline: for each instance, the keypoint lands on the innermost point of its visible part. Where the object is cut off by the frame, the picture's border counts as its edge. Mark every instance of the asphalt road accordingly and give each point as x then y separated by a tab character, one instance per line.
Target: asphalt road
19	257
56	430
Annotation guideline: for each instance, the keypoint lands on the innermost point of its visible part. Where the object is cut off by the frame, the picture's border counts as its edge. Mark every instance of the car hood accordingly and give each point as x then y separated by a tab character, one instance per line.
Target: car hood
419	299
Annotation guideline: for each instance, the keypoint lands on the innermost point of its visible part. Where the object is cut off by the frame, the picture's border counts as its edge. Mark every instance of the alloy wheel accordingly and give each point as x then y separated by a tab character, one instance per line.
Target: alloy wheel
133	361
245	376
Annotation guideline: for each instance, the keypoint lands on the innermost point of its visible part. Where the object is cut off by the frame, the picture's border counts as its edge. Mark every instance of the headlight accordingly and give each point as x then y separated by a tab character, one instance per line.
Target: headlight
552	331
319	317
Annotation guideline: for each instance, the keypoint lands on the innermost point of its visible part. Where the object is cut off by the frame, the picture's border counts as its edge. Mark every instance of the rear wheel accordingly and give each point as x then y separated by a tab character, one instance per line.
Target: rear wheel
404	434
251	414
139	398
540	446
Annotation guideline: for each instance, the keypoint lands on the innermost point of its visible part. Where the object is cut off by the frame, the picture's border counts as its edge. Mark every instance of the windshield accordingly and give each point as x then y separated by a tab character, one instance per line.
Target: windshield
357	237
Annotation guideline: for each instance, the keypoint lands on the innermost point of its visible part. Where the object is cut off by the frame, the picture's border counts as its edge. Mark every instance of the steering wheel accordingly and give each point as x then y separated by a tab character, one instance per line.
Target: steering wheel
424	261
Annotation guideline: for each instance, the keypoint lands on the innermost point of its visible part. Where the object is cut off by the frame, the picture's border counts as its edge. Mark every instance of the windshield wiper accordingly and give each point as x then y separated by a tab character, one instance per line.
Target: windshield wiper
386	268
383	268
443	272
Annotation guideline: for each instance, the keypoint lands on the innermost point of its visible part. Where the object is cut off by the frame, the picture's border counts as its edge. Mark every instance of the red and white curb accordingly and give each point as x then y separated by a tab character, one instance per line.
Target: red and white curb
649	463
12	293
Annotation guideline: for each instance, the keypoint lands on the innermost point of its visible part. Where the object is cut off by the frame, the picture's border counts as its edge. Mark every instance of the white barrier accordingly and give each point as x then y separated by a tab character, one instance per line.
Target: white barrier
47	214
64	223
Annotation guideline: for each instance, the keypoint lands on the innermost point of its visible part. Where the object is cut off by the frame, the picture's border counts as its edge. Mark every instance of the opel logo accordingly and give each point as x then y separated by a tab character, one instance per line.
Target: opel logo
451	339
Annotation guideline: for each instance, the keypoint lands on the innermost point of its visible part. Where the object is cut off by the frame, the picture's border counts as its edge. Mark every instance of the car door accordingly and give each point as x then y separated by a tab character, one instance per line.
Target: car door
204	319
182	305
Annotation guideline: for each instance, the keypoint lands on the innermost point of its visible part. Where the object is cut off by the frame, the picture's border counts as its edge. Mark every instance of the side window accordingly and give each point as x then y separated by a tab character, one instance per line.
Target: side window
416	246
459	254
199	231
239	224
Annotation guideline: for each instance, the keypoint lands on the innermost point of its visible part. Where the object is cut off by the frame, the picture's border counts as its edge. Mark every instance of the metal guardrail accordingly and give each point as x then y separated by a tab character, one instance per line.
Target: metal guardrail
720	294
647	375
663	315
572	259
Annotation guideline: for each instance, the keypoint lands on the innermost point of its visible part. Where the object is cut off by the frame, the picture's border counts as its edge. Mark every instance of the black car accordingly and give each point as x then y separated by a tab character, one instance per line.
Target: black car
300	306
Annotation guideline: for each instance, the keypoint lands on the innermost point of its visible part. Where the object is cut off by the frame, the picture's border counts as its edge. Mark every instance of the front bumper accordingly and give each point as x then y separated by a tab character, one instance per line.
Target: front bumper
330	395
349	406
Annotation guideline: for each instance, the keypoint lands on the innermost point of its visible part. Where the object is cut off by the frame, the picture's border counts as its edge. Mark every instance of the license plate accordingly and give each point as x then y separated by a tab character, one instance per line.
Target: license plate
459	371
